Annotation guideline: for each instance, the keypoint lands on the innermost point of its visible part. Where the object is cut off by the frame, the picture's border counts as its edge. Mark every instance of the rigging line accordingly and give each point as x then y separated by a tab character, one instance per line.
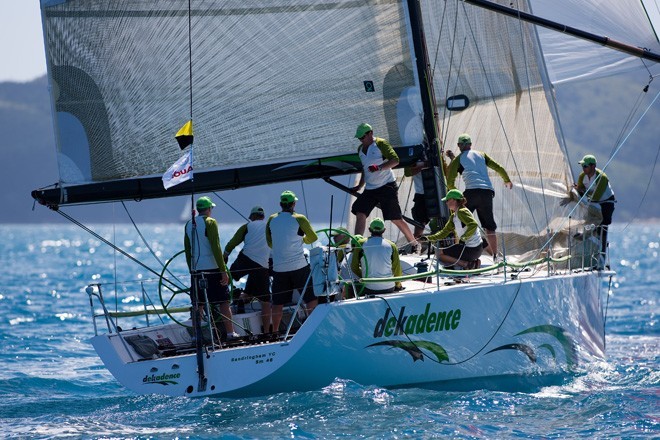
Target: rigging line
302	186
499	117
648	185
346	198
451	58
146	243
226	203
151	303
445	129
607	307
616	152
437	46
190	72
531	111
629	119
113	246
114	259
201	385
458	74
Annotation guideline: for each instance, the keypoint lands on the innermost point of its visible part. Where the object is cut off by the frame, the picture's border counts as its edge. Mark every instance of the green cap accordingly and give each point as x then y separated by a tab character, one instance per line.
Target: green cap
377	225
453	194
356	240
464	139
588	160
257	210
288	197
340	231
362	130
205	203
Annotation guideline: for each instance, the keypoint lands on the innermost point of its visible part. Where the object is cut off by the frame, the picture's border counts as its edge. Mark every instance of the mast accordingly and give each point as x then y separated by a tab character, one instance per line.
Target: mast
434	188
602	40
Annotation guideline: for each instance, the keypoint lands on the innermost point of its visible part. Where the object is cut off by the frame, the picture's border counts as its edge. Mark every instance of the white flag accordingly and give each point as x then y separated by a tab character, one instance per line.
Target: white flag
181	171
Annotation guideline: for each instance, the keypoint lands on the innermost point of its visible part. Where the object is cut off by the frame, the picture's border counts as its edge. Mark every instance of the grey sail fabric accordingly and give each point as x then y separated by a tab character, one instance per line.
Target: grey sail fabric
570	59
507	68
495	62
271	80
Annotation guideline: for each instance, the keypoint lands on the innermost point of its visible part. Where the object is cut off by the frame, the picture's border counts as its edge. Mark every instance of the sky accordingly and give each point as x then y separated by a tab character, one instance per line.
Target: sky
22	42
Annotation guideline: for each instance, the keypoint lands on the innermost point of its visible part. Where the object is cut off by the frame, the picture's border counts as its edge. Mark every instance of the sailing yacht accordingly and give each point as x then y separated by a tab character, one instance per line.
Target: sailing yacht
275	90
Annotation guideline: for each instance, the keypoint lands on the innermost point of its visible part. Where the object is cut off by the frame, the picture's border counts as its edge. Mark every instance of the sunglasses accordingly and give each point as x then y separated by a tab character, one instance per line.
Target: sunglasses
586	165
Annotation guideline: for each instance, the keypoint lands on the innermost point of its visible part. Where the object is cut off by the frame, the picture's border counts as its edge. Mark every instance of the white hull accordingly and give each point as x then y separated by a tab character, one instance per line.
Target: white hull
491	332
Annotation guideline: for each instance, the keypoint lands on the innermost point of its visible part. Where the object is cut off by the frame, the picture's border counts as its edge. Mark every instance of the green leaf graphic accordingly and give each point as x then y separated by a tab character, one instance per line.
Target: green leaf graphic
526	349
561	335
413	349
550	349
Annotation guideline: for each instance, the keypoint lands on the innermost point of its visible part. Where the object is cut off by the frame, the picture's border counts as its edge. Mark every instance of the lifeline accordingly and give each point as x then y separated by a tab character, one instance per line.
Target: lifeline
415	324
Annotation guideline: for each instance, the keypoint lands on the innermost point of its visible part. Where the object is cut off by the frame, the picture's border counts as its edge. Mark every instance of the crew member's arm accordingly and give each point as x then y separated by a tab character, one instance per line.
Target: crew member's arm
413	170
388	153
309	236
269	237
580	185
237	239
360	184
490	163
214	238
452	172
444	232
445	165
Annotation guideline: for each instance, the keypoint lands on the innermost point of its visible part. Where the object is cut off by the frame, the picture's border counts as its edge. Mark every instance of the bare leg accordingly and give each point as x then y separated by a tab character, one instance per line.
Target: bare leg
447	260
492	242
266	313
310	306
226	314
419	231
360	223
403	227
277	316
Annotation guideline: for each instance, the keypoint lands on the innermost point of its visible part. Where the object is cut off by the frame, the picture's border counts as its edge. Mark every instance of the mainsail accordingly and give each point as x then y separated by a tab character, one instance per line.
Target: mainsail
267	83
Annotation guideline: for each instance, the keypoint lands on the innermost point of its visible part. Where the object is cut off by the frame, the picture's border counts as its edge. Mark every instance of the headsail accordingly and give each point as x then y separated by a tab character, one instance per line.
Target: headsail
570	59
273	82
507	69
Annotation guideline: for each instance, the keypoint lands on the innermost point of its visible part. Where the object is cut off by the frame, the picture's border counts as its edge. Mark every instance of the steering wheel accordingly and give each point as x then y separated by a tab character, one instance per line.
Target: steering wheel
167	291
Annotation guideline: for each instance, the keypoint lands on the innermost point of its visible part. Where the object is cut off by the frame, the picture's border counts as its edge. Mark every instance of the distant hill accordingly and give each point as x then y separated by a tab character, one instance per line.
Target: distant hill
27	153
589	130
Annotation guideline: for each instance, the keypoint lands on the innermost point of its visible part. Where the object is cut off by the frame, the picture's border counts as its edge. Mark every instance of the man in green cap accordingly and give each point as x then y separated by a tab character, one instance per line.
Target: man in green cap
286	234
479	192
382	260
252	261
378	158
207	265
594	183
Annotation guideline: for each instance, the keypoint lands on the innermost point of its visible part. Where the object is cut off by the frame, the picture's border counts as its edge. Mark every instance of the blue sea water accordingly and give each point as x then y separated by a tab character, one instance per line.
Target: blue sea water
52	384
